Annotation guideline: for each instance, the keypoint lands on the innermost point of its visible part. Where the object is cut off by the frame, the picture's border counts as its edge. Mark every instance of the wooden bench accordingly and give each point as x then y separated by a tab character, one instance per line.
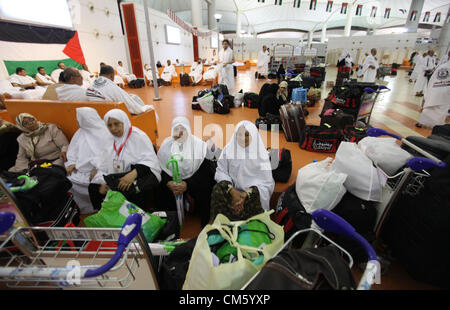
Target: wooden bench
63	114
245	67
187	69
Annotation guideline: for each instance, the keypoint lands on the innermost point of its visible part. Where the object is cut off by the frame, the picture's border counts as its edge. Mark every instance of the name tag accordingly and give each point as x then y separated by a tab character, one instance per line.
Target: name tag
118	165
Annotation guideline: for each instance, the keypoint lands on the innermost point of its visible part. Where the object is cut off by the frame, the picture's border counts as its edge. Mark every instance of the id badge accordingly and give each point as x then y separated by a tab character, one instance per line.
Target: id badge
118	165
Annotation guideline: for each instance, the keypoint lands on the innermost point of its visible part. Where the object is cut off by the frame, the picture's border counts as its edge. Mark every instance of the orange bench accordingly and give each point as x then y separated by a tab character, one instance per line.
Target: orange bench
187	69
63	114
245	67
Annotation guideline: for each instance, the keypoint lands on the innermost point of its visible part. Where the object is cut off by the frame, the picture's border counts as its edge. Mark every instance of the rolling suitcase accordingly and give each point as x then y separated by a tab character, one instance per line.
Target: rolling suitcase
338	119
184	79
293	121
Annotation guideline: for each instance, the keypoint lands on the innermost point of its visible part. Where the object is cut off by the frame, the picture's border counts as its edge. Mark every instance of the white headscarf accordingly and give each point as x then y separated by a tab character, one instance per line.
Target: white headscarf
247	167
138	148
193	150
88	141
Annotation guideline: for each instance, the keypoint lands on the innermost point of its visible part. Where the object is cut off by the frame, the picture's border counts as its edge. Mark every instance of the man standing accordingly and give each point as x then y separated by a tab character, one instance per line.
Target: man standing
226	71
72	89
370	67
436	103
22	80
263	63
123	73
104	89
417	61
425	70
55	74
42	78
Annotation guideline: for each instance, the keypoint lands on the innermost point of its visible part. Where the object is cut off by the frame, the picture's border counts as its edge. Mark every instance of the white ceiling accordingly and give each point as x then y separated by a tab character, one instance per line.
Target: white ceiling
265	17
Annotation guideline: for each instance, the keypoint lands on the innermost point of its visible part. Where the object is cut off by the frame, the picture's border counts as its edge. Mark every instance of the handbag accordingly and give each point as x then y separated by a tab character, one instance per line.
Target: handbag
143	184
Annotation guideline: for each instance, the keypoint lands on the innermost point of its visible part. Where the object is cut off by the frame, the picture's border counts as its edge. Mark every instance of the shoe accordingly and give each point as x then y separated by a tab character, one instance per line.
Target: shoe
419	125
256	75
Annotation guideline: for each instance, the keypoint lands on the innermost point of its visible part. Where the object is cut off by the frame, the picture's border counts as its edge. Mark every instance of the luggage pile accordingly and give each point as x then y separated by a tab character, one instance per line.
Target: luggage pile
214	100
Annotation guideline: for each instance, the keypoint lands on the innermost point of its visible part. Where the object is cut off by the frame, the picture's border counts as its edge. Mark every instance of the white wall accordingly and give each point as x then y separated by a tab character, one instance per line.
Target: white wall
163	51
101	48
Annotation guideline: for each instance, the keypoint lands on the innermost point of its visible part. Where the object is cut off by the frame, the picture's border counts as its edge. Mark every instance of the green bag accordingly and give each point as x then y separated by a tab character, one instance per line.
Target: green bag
253	233
115	210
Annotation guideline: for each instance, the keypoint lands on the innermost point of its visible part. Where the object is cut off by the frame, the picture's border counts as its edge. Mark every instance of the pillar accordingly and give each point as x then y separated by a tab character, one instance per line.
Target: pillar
238	24
348	23
412	25
444	37
196	13
211	12
324	33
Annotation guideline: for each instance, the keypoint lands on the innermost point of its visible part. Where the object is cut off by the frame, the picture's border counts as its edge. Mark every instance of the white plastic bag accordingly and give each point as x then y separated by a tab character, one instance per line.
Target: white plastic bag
207	103
238	99
362	177
203	275
385	152
318	186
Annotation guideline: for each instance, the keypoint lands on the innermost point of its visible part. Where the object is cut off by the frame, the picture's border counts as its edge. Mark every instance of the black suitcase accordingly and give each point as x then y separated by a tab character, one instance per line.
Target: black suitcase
138	83
228	100
362	215
442	130
251	100
221	107
293	121
185	79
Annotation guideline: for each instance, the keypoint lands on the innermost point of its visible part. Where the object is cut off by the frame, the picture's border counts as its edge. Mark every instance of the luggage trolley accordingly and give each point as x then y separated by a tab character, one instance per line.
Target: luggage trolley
75	258
327	221
368	100
409	180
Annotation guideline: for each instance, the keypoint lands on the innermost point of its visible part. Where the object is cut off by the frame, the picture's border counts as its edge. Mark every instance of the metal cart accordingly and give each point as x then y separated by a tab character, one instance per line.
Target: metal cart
410	180
327	221
74	258
368	100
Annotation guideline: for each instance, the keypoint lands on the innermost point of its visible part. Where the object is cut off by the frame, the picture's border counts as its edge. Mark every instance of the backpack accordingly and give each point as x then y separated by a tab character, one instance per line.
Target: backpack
305	269
291	214
221	107
251	100
185	79
173	269
138	83
228	100
281	162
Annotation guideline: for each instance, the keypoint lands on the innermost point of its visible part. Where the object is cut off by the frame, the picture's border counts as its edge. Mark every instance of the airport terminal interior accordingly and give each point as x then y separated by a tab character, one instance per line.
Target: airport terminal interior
187	135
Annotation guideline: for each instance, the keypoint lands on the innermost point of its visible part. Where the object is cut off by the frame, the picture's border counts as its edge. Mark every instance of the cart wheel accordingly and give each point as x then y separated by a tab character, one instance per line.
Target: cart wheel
384	264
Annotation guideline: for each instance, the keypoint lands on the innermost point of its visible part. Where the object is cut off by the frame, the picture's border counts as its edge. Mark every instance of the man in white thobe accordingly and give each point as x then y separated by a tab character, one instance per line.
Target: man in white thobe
426	67
148	73
418	59
42	78
370	67
22	80
225	67
72	89
6	88
169	72
436	103
196	73
55	74
359	71
124	74
104	89
263	63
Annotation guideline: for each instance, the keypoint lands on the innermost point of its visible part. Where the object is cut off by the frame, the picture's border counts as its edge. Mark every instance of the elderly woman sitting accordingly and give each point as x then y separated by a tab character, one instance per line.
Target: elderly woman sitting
39	142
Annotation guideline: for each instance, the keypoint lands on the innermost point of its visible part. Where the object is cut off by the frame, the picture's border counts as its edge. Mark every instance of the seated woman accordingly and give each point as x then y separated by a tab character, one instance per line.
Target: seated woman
244	176
83	149
272	102
196	171
39	142
128	162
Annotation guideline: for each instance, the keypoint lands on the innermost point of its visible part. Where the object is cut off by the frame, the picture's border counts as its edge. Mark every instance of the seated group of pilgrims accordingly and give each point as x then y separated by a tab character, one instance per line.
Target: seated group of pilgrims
238	183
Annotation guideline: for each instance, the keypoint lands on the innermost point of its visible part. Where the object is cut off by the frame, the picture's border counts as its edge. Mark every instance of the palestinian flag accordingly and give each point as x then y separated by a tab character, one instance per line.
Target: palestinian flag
31	47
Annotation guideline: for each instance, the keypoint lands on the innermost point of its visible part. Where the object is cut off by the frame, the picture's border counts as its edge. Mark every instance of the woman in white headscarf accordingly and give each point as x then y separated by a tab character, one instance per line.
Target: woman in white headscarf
84	147
196	171
39	142
244	176
128	162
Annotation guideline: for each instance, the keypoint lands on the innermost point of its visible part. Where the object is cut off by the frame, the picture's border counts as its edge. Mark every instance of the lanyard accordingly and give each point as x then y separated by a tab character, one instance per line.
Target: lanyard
123	144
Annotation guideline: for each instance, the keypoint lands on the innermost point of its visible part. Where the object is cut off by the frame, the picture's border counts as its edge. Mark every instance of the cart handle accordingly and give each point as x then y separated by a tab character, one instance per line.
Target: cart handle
7	220
422	163
130	229
377	132
332	222
370	90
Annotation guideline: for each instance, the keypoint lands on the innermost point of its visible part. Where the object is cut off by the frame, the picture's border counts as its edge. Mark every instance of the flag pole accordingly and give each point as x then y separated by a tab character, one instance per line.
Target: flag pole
152	56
